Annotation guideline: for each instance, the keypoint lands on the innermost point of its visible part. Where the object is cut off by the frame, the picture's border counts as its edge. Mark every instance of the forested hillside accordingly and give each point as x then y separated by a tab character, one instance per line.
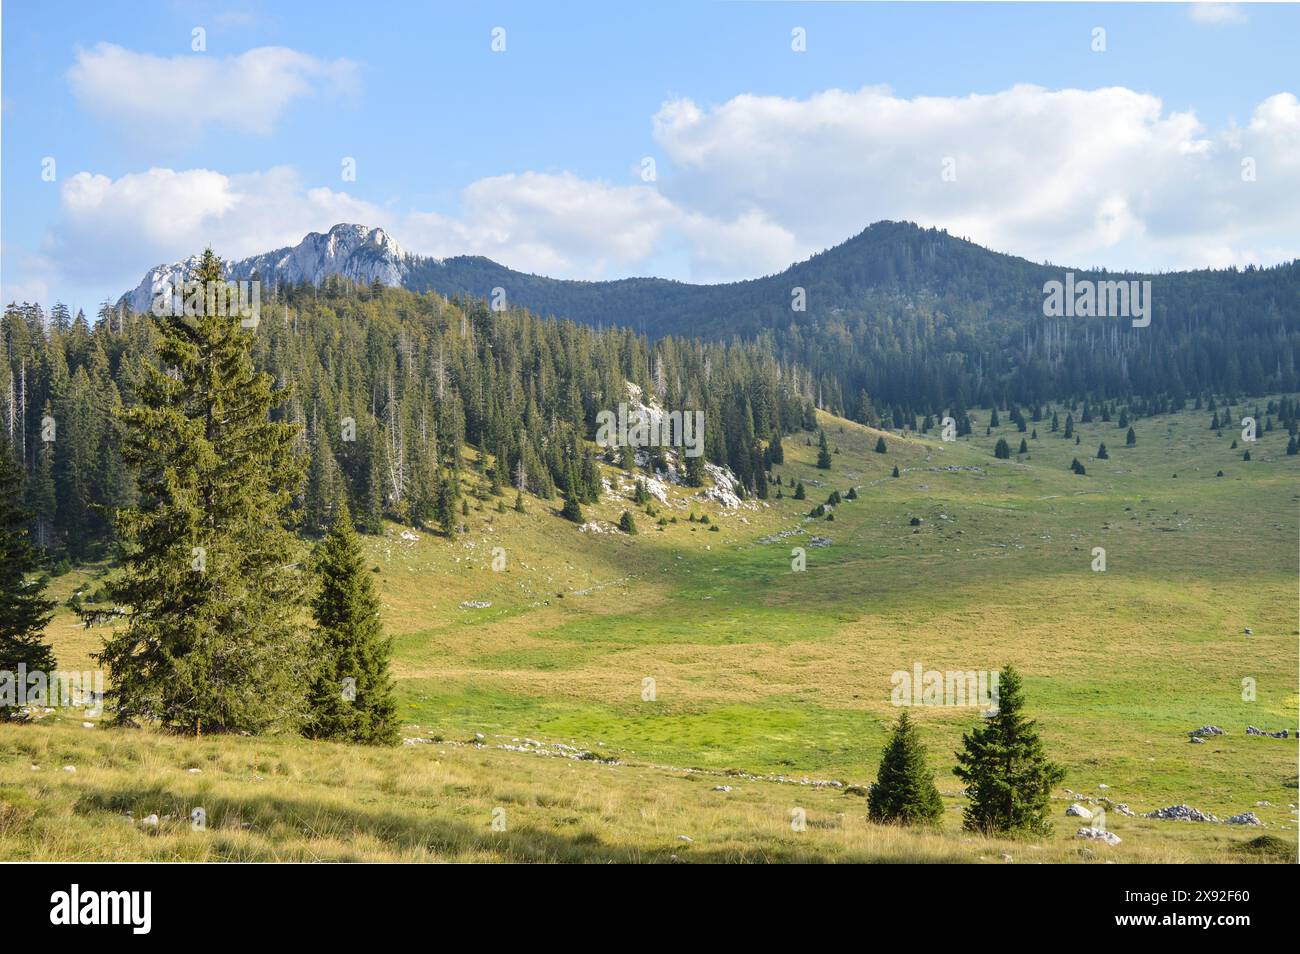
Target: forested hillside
920	319
404	402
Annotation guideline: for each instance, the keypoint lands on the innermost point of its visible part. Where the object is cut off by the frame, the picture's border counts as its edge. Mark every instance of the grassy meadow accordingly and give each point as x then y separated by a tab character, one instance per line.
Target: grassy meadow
767	682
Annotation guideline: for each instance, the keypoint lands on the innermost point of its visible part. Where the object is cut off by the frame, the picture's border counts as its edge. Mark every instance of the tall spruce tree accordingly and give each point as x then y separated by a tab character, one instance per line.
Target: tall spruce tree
210	583
904	791
351	696
823	452
322	488
24	610
1009	779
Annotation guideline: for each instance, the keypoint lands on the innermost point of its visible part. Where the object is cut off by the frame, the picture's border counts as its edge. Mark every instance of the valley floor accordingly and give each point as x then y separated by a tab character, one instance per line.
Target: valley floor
697	668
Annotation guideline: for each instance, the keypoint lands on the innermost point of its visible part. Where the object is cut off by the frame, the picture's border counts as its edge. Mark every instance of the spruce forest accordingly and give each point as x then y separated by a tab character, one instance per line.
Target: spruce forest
399	403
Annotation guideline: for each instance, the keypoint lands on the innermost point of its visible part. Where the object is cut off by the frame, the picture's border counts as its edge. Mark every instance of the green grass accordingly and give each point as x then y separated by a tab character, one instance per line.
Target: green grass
764	670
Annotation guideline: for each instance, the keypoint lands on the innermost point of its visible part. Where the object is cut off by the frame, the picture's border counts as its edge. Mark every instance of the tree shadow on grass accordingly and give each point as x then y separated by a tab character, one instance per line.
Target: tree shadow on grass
289	826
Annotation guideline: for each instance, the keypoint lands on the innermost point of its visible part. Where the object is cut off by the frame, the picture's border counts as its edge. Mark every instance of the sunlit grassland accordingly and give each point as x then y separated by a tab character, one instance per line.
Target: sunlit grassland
761	669
285	800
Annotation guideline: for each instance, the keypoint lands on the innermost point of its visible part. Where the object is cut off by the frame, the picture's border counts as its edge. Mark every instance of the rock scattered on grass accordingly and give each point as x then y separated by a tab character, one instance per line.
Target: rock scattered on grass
1078	811
1280	734
1245	818
1207	730
1098	834
1181	813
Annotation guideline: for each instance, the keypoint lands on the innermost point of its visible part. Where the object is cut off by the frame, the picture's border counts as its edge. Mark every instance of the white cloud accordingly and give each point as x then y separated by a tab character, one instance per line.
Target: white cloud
1215	13
114	229
1104	176
1101	177
160	97
548	223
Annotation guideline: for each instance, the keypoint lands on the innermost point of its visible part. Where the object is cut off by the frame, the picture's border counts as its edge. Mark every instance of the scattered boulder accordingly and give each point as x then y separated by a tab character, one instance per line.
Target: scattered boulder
1207	730
1078	811
1181	813
1245	818
1280	734
1098	834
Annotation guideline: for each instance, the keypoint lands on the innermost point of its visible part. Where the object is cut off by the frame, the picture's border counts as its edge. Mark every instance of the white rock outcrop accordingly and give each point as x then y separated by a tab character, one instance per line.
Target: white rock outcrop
354	252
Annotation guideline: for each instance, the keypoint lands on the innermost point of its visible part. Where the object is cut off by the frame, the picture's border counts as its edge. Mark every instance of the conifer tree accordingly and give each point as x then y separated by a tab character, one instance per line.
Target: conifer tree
322	485
572	509
695	470
209	586
799	492
641	496
41	497
823	452
1003	450
1009	779
1101	453
1131	439
626	523
444	510
351	695
880	446
24	611
904	791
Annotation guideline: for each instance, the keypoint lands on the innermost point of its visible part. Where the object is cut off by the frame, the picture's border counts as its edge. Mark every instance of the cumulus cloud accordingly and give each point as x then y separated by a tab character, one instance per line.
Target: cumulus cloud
248	93
1101	177
1104	176
120	227
557	224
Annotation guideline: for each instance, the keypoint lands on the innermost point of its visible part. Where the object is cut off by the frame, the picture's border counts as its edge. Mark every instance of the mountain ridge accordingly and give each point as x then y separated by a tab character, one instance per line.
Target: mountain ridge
366	254
897	315
348	250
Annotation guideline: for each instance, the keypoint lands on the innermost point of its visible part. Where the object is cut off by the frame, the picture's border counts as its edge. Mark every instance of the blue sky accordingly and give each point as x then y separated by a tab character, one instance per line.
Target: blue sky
1128	157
